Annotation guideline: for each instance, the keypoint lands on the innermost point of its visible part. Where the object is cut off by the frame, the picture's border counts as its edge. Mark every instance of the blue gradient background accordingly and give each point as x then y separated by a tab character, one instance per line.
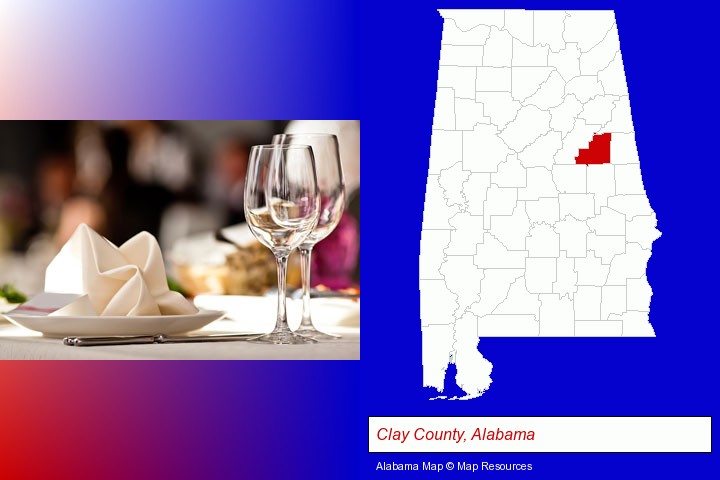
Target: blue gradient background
178	59
376	61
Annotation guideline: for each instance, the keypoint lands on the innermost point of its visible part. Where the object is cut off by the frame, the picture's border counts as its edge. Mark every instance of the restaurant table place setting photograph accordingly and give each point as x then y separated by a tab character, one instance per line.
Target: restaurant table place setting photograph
220	290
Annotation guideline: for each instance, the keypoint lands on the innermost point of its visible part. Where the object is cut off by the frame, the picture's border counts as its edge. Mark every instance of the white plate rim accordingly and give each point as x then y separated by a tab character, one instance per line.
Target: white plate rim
57	326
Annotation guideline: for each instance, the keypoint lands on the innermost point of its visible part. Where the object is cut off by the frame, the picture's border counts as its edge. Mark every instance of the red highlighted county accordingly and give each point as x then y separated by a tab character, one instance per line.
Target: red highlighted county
598	151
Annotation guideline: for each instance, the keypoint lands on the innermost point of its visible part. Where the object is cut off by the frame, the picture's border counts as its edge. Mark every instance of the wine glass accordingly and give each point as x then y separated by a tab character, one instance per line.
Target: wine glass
281	208
331	187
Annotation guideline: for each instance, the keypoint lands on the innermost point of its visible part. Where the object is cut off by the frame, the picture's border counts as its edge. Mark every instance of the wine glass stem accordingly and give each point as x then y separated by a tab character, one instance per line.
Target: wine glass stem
282	324
305	257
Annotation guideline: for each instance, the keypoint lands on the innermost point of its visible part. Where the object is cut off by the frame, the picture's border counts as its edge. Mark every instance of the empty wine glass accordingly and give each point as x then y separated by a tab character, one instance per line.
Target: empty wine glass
331	187
282	208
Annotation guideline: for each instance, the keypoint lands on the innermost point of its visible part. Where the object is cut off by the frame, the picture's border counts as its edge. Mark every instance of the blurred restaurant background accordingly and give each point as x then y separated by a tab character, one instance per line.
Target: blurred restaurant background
182	181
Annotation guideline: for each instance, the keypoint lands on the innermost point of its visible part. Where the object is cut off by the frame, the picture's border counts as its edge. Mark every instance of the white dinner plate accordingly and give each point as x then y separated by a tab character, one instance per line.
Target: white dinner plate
59	326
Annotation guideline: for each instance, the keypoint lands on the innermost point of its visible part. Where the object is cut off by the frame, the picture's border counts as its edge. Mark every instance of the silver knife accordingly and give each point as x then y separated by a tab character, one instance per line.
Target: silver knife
159	338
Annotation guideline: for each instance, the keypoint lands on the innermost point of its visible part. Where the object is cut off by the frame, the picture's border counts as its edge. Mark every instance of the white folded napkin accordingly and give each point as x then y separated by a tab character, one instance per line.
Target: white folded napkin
115	281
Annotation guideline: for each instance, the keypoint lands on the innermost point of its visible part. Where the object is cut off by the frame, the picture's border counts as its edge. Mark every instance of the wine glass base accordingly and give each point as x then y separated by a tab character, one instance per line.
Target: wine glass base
282	338
312	332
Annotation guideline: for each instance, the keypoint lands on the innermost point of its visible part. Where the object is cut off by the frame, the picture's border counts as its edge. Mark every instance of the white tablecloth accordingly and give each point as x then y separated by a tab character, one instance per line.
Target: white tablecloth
20	344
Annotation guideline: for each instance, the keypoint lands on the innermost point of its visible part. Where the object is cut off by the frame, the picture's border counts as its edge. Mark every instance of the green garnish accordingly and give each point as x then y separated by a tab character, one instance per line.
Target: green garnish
9	293
175	286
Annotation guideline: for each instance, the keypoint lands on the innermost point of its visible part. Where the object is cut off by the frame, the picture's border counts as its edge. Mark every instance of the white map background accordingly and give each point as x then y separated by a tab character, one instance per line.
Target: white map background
519	240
